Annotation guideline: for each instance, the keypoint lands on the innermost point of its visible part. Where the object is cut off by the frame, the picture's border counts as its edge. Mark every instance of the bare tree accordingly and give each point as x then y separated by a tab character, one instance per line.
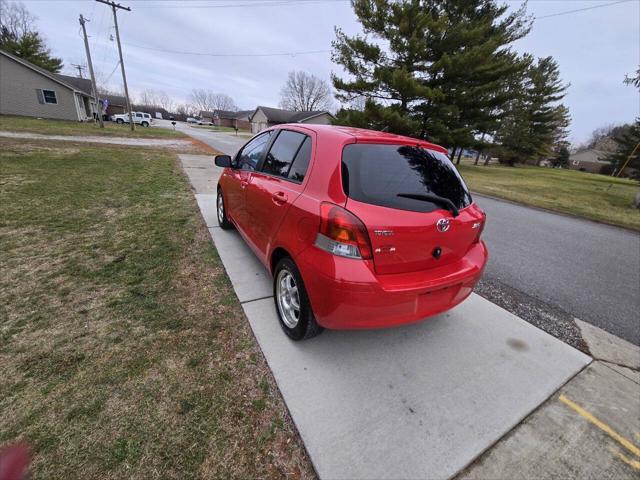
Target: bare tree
222	101
186	109
210	101
165	101
15	19
199	97
149	98
304	92
156	99
601	138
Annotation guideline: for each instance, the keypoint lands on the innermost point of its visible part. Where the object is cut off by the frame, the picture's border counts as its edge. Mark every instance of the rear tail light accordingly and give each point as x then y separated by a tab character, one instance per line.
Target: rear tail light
481	227
342	233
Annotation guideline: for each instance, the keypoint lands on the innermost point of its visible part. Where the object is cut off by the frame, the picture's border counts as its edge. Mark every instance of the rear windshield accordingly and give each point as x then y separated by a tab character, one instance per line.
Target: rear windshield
386	174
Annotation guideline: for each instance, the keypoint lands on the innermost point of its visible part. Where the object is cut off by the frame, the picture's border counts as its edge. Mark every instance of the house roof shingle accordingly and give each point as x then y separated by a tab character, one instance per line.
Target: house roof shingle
81	84
61	79
277	115
225	114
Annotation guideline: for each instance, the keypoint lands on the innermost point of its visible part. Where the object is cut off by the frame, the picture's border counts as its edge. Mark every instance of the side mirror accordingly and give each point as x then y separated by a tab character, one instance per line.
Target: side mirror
223	161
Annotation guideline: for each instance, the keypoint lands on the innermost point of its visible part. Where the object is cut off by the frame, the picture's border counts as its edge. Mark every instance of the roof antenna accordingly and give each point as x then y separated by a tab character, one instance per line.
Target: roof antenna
385	129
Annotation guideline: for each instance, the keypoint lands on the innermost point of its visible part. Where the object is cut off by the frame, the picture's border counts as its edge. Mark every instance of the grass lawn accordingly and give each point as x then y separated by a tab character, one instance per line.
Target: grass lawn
597	197
123	349
66	127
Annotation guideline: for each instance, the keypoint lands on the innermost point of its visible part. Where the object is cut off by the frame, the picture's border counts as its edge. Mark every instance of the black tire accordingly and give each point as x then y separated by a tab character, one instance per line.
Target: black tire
119	120
223	220
306	326
145	124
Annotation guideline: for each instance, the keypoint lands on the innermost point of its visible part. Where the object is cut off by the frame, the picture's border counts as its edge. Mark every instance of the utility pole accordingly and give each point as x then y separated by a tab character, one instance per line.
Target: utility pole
93	77
115	6
80	68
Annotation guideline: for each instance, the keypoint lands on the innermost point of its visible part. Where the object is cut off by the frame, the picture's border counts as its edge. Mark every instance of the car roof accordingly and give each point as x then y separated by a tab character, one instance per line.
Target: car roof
364	135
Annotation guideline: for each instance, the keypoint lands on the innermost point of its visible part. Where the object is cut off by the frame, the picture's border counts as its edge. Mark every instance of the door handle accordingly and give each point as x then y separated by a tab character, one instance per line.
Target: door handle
244	184
279	198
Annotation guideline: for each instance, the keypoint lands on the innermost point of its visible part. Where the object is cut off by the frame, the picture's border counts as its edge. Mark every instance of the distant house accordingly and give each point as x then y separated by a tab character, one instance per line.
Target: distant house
241	120
28	90
265	117
116	104
588	160
227	118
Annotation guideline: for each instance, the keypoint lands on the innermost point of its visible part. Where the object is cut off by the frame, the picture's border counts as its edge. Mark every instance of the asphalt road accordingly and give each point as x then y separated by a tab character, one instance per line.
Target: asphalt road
589	270
224	142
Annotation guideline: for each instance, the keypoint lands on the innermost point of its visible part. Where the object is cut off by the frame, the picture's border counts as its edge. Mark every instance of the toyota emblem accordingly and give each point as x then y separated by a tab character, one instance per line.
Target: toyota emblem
443	224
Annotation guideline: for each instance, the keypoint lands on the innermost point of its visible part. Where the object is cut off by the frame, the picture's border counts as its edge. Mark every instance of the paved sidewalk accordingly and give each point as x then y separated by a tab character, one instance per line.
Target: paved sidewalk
421	401
590	429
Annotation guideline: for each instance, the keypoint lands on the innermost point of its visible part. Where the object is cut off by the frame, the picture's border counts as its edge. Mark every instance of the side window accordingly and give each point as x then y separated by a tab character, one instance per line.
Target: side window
282	153
250	155
49	96
301	162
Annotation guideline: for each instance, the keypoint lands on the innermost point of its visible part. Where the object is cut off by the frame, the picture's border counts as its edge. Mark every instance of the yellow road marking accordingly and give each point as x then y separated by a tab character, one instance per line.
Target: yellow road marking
602	426
632	463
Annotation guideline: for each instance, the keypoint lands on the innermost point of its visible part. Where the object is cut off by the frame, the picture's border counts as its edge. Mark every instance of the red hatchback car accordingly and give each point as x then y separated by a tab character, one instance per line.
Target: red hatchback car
360	229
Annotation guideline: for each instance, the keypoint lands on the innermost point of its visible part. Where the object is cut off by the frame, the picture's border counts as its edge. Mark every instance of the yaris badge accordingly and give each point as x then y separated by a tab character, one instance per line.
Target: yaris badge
443	224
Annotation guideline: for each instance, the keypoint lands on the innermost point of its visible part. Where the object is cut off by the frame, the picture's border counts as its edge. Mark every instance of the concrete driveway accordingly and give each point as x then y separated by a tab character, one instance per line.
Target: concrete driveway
421	401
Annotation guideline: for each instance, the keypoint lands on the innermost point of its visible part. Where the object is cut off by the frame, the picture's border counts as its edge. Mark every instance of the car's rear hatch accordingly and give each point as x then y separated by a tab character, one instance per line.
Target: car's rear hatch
401	192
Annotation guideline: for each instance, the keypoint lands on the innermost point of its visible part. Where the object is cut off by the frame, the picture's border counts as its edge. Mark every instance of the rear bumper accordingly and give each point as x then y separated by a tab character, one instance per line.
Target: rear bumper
347	294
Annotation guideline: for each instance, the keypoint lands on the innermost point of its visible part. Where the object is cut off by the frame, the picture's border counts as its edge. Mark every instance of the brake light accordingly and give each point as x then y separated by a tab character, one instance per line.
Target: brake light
342	233
481	227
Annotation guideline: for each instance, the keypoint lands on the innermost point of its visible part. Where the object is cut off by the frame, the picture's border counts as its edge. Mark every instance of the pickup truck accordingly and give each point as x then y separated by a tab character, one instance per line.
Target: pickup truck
139	118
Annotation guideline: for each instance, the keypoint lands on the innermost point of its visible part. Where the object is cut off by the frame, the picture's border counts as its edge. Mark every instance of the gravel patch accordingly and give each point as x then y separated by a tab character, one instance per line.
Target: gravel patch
551	319
136	142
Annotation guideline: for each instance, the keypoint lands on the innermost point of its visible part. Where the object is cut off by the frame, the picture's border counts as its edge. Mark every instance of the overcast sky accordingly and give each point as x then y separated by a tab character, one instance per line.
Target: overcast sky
594	48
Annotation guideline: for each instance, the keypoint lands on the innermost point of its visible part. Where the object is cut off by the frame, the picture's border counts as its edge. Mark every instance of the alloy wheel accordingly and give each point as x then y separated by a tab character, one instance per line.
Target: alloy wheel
220	206
288	298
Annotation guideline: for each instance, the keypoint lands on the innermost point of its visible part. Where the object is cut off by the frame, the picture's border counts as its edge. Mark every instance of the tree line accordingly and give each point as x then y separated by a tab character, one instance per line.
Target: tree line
446	71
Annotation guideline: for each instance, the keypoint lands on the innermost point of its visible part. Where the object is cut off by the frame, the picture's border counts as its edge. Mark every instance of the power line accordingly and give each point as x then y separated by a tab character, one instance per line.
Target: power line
261	3
567	12
112	72
207	54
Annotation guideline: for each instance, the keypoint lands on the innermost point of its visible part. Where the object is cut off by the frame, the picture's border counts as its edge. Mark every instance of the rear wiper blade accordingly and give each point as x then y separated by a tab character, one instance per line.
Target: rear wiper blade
432	197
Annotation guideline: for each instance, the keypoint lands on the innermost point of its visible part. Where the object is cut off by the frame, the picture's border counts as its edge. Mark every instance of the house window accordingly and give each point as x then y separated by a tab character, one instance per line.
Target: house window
49	96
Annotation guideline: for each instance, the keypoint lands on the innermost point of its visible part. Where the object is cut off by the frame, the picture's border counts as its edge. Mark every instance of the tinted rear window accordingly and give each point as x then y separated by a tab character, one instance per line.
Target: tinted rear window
376	174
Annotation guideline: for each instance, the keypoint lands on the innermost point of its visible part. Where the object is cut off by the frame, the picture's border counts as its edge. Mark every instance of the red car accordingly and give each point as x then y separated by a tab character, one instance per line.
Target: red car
360	229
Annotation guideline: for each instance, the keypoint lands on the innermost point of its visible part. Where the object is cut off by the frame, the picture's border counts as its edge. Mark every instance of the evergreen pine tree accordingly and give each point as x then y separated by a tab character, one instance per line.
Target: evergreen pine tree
440	75
627	140
534	122
32	48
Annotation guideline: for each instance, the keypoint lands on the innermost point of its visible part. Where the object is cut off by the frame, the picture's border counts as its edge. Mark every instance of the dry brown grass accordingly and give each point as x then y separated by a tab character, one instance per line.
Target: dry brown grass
124	351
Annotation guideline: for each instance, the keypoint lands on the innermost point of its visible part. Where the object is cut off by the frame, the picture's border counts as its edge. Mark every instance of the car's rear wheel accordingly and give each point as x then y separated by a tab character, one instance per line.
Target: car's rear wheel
292	302
223	220
119	120
145	124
